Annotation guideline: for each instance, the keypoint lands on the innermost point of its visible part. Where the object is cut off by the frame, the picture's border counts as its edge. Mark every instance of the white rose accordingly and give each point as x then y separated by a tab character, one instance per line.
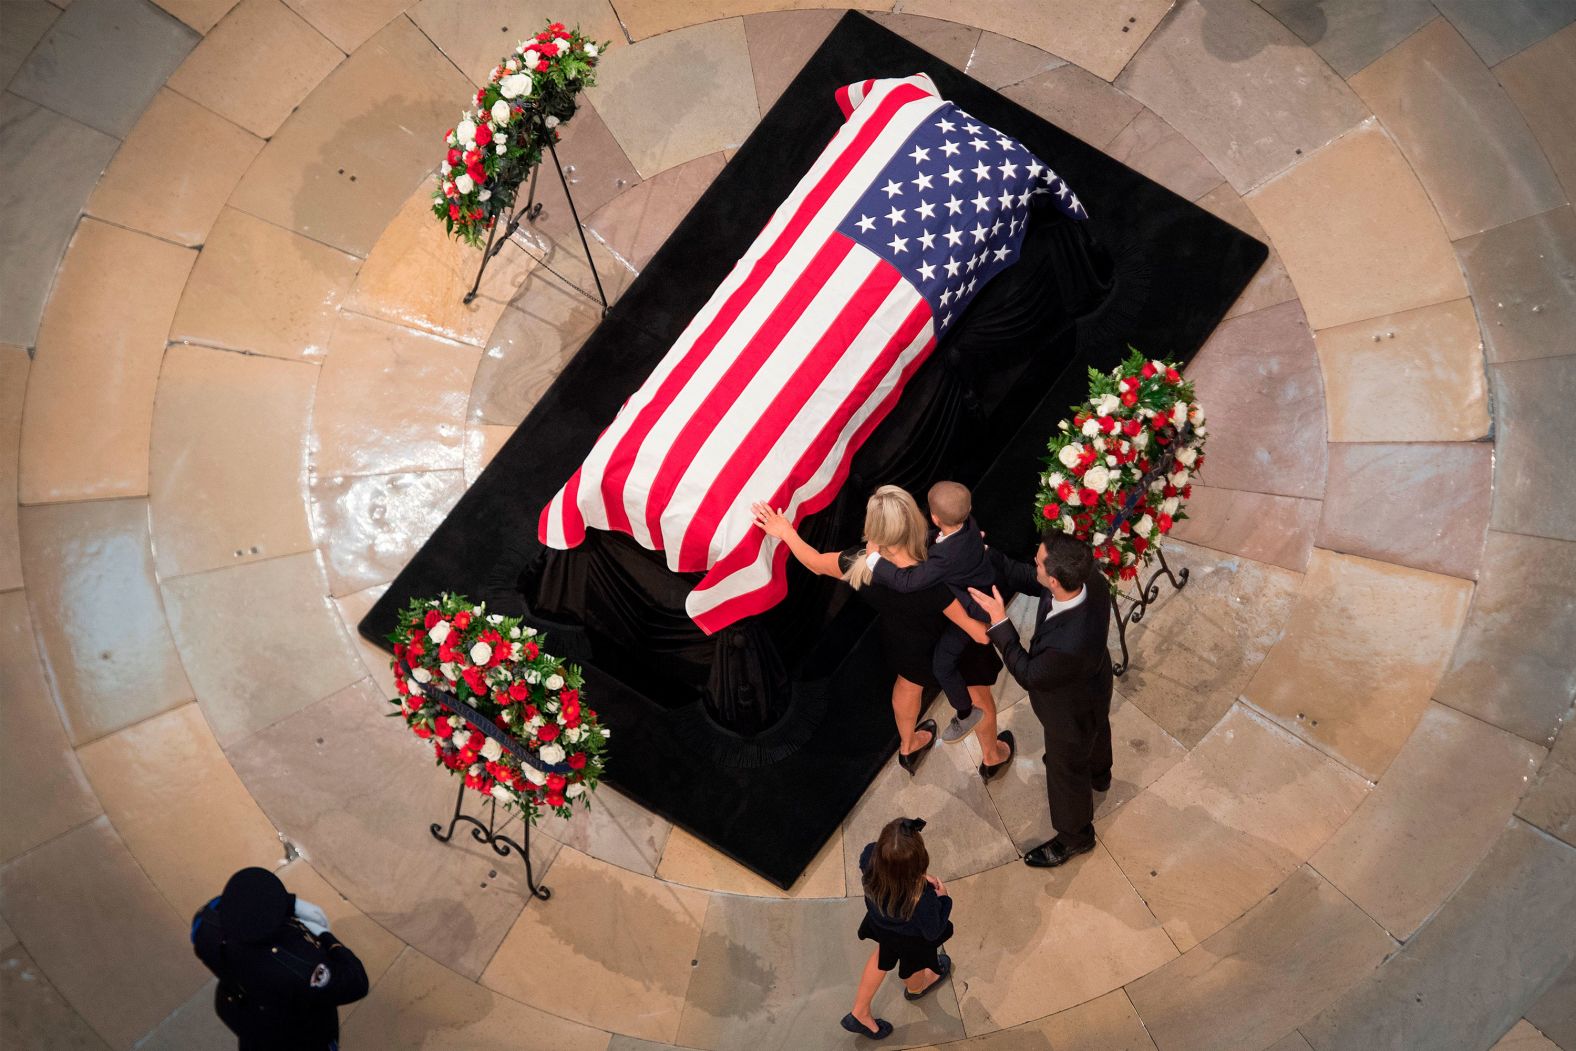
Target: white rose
1099	445
514	633
465	184
1198	415
415	689
533	677
532	57
500	109
500	149
552	122
1179	478
1144	526
590	49
1097	539
486	195
533	724
574	733
513	65
1186	457
1073	500
529	632
481	653
555	682
514	86
1069	454
465	131
1067	523
439	632
1055	478
1179	413
1169	505
532	774
606	733
502	794
495	618
1141	440
1108	404
1110	461
1201	430
1159	366
1128	558
551	753
1090	428
421	674
576	790
1097	478
491	750
449	671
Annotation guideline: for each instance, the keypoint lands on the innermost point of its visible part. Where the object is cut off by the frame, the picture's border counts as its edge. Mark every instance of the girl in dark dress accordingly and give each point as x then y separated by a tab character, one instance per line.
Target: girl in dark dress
907	915
910	624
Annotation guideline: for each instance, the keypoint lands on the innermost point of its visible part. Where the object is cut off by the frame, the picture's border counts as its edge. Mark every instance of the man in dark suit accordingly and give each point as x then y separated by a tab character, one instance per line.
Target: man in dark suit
1067	672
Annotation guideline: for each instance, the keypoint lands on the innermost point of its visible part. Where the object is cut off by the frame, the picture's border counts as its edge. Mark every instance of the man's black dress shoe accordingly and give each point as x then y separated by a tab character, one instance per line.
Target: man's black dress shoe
1053	853
1101	784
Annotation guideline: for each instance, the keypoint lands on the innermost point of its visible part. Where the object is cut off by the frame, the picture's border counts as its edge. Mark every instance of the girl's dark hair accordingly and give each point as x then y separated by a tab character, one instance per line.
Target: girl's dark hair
895	879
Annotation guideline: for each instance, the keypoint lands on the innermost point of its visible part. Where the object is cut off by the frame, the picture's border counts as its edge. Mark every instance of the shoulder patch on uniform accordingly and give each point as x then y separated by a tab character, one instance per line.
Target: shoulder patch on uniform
320	976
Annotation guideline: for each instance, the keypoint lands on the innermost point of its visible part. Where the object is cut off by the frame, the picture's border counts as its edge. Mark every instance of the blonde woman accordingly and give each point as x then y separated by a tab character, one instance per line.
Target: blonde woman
910	623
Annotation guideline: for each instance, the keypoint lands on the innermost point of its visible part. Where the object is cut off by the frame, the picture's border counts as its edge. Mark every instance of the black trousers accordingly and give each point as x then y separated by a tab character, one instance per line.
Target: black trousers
947	663
1077	754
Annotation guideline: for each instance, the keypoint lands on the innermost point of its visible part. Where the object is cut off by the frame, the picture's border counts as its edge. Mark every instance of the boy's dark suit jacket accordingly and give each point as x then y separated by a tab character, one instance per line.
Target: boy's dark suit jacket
960	562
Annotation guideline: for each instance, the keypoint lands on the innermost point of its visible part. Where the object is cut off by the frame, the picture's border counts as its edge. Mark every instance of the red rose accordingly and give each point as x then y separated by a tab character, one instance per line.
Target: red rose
530	650
1140	545
1164	522
1107	424
519	691
547	50
481	94
1130	398
1173	376
421	731
433	616
1088	497
577	761
547	733
473	679
1128	572
462	619
1051	511
555	800
1187	491
1064	491
454	210
542	67
483	134
503	651
1132	427
1148	371
556	782
555	27
569	695
544	35
454	155
442	727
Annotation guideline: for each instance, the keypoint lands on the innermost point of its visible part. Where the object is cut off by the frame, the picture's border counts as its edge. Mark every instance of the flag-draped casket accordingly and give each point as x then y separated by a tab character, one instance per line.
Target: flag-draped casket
808	342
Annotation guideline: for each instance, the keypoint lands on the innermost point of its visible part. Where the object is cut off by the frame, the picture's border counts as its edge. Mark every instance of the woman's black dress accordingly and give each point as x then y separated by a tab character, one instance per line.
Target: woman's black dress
911	625
909	945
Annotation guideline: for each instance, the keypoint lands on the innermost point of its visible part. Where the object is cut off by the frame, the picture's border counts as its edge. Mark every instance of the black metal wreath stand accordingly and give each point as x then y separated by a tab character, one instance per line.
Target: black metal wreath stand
528	212
488	835
1148	592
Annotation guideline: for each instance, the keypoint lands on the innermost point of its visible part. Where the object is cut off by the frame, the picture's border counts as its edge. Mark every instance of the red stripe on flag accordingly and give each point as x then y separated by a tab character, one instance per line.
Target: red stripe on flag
720	398
783	410
616	475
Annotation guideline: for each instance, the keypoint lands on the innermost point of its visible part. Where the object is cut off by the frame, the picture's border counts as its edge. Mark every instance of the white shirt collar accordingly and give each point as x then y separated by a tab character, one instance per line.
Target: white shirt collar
940	536
1058	606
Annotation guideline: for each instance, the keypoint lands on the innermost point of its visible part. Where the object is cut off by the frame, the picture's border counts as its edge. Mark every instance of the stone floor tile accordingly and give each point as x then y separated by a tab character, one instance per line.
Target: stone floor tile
1523	278
1141	751
1554	1013
1289	956
1106	1023
1524	1036
1032	942
637	222
1512	665
422	1004
615	829
418	276
1416	376
1536	80
1099	38
1078	102
664	108
1277	530
947	40
1292	1041
97	614
1550	803
40	778
532	342
475	34
1271	284
32	1011
1373	498
1223	828
346	161
201	15
780	43
565	256
1432	818
777	975
391	399
453	901
1479	963
135	47
947	792
348	25
1152	146
690	861
1534	430
371	525
594	166
143	190
648	18
620	1042
482	443
1365	646
116	951
194	1024
999	60
37	216
14	364
1497	31
188	842
260	642
1459	131
260	288
257	66
1258	376
227	470
1241	88
1349	34
1357	233
630	964
26	22
375	947
1194	651
352	608
90	391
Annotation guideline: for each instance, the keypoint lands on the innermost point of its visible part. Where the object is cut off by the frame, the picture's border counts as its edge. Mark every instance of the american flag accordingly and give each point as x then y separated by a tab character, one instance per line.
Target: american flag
807	343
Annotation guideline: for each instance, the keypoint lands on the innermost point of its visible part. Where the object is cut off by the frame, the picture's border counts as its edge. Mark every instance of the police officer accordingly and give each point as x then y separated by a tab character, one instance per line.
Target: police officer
282	973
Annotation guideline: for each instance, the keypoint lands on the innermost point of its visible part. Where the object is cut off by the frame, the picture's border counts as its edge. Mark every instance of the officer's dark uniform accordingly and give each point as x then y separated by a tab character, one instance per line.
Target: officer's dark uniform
280	986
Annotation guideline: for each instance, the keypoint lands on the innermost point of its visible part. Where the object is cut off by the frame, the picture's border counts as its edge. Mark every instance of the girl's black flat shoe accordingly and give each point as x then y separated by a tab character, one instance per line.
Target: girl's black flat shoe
911	761
941	976
882	1030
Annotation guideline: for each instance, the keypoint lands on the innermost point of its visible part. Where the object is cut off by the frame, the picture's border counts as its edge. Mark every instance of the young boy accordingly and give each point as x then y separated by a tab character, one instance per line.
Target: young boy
957	559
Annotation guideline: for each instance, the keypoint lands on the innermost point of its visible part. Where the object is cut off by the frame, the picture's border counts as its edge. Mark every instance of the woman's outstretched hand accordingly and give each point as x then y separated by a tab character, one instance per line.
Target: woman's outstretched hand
772	521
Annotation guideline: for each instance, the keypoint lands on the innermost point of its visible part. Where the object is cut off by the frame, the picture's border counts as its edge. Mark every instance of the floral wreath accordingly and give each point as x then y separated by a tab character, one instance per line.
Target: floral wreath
528	95
499	711
1119	473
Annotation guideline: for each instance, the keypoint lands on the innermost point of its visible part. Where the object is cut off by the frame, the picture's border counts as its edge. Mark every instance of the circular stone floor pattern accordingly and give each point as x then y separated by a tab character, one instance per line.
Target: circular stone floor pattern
239	390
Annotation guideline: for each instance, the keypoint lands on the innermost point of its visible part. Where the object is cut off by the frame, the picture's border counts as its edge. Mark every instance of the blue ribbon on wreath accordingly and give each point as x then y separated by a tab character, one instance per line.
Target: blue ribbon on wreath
477	721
